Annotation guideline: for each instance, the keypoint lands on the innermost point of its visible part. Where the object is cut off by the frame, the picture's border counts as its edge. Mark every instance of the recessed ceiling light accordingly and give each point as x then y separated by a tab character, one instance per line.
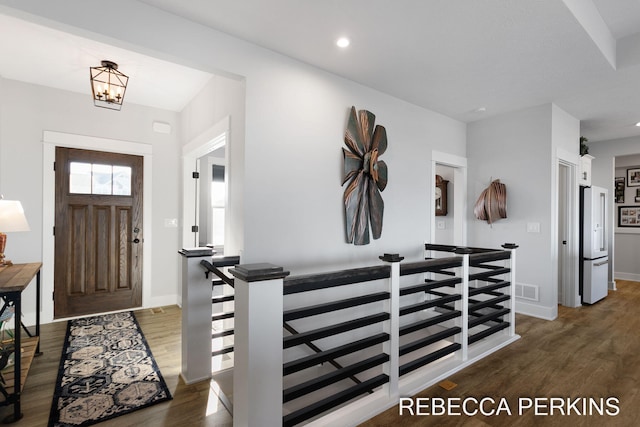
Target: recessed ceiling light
343	42
638	124
481	109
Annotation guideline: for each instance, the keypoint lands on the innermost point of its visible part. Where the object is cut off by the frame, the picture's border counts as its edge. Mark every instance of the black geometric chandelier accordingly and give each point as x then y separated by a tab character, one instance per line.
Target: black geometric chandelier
108	85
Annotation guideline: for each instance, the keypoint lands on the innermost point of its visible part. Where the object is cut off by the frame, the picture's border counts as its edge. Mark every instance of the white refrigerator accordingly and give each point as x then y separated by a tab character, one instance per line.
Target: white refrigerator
595	250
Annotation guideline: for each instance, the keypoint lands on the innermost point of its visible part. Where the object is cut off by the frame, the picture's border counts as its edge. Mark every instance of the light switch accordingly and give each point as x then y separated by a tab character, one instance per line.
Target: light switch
533	227
440	225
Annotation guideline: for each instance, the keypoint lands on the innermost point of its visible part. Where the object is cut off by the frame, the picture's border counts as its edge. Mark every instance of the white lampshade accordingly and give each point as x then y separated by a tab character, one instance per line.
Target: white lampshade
12	217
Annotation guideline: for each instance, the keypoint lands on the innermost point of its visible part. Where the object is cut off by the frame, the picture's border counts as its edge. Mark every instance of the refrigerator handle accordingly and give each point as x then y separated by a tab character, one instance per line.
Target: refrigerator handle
601	263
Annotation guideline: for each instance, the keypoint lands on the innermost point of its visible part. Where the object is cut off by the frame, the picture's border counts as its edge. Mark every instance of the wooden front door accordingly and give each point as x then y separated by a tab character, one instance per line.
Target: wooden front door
98	232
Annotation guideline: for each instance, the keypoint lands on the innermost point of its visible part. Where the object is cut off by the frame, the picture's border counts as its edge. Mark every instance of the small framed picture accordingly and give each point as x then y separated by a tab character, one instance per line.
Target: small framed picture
633	177
629	216
619	189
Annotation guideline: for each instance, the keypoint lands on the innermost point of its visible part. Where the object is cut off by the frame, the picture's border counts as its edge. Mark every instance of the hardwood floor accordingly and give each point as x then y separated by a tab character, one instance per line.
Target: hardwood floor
591	352
192	405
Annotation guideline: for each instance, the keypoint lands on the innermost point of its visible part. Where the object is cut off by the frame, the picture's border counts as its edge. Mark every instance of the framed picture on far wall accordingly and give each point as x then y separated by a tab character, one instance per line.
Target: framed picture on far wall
619	189
628	216
633	177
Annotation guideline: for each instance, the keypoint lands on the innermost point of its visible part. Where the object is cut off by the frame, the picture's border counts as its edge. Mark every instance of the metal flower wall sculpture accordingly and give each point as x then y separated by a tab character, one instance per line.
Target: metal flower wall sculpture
367	176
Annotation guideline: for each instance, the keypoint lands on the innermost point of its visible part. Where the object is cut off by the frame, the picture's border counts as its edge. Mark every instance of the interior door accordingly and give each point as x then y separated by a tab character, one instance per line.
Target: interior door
98	232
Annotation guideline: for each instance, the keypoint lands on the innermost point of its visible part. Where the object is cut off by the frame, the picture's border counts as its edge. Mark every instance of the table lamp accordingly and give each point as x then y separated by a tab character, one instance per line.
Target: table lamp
11	219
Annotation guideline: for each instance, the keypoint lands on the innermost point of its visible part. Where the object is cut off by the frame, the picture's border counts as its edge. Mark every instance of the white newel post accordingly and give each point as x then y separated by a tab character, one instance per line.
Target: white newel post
392	326
258	358
512	287
196	317
464	302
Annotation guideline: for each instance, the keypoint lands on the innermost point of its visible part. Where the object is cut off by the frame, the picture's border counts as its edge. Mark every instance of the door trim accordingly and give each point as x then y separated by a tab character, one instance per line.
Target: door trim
459	164
51	140
570	293
208	141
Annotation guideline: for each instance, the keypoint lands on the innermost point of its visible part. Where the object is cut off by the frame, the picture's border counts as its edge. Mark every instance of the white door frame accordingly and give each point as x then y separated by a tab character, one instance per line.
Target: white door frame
459	164
206	142
570	287
51	140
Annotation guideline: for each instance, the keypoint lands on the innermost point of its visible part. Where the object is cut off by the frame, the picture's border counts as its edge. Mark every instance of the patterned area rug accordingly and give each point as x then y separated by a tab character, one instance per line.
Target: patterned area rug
106	370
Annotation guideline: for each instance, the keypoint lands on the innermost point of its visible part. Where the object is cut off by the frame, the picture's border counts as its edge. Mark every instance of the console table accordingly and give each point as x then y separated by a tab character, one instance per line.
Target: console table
13	280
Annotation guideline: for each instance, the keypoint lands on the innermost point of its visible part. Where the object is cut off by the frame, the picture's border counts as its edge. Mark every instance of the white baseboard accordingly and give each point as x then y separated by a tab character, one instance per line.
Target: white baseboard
627	276
162	301
534	310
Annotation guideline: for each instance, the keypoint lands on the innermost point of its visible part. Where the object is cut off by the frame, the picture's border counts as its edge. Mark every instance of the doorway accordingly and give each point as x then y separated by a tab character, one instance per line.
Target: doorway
451	228
568	229
98	228
198	160
211	199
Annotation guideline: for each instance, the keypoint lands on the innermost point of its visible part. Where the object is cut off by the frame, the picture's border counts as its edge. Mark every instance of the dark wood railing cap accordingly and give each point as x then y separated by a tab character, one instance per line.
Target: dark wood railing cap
464	251
196	252
391	258
258	272
510	246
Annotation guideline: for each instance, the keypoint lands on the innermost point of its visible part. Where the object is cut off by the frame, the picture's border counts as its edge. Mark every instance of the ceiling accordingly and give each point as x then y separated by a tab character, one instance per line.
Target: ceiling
466	59
48	57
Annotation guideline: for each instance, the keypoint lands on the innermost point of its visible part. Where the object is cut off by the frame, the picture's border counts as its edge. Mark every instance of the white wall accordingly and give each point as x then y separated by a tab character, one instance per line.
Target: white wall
223	97
295	121
294	207
519	148
603	174
26	111
627	240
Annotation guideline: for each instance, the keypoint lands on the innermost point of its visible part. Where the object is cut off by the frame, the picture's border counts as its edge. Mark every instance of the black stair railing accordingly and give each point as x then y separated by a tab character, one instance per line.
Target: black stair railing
215	267
428	340
296	338
423	341
361	356
487	296
350	337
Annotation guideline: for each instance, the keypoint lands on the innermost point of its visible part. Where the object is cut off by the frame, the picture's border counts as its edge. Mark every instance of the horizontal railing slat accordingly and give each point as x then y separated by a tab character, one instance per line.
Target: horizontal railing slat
428	304
488	317
487	332
429	265
324	356
488	303
302	312
222	316
431	339
491	255
485	274
488	288
413	327
332	377
222	298
333	401
432	284
431	357
327	331
223	350
221	334
311	282
449	248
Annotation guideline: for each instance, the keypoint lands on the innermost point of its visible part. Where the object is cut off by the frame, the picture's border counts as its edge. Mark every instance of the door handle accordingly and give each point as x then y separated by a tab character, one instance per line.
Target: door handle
136	240
564	242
